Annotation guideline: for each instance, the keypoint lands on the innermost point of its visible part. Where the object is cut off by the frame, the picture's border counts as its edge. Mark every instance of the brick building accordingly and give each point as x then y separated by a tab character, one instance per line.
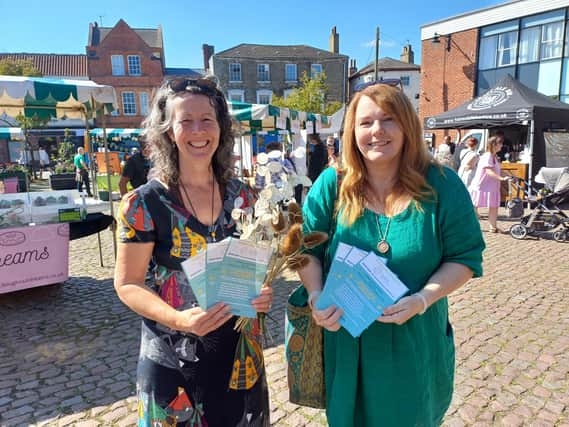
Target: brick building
464	55
253	72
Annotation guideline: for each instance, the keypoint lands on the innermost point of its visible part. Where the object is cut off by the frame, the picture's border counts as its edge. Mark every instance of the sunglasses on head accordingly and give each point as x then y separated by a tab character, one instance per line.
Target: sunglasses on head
396	83
183	83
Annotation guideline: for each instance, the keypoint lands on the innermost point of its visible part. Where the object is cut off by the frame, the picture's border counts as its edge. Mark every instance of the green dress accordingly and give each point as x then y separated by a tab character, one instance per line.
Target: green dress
398	375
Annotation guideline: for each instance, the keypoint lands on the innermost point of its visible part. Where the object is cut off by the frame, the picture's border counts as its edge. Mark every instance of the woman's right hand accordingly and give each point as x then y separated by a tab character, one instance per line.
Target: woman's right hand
199	322
328	318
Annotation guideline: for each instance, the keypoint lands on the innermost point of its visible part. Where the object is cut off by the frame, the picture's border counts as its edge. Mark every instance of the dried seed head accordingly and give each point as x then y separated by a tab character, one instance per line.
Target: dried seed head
297	262
279	223
294	213
314	239
293	240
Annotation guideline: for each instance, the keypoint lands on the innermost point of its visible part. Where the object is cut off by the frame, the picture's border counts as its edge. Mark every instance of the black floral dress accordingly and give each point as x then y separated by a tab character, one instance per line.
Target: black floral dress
182	379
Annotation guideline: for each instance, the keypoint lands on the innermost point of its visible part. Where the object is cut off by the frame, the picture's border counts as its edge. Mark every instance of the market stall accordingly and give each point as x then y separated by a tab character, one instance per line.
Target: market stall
33	225
510	103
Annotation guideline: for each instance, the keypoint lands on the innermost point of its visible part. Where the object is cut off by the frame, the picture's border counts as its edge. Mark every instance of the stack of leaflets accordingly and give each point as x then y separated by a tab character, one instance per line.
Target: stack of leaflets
361	284
231	271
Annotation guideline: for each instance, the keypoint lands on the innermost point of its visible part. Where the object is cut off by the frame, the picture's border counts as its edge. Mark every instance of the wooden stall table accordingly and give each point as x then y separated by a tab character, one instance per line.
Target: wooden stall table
508	189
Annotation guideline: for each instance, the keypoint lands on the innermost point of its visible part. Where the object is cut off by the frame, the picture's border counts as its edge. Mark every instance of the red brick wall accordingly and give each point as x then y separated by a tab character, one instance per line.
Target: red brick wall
122	40
447	77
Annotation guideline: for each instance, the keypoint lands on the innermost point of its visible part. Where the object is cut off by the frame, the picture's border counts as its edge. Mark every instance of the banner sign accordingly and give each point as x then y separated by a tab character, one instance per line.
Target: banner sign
33	256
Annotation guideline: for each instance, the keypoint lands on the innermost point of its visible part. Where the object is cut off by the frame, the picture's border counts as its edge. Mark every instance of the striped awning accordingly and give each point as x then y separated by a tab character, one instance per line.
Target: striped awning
54	98
123	133
14	134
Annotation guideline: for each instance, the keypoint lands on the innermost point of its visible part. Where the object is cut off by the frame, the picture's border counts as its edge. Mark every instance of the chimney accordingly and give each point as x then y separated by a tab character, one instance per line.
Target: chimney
353	69
208	51
407	55
334	41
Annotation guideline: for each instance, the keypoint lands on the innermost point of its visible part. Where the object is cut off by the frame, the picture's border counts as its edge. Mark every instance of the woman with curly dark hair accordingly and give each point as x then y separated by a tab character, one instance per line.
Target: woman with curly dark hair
191	370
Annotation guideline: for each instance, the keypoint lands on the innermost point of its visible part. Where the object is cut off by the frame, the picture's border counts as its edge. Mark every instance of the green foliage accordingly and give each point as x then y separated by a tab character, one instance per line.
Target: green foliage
33	122
65	155
311	96
18	68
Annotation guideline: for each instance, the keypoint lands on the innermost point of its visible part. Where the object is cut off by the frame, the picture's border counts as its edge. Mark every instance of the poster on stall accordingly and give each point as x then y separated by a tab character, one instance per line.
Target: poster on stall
33	256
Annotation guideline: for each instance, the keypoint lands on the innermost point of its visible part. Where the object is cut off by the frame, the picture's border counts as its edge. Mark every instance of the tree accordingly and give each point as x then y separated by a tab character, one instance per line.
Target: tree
19	67
311	96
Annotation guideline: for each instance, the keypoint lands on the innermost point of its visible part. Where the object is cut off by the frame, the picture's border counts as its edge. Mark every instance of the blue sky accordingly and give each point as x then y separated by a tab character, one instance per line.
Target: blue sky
35	26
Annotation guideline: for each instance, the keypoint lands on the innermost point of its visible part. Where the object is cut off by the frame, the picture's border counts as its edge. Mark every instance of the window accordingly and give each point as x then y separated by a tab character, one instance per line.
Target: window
287	92
128	103
236	95
234	72
529	45
263	73
134	65
117	63
143	100
507	47
264	96
315	69
488	48
290	72
551	40
405	80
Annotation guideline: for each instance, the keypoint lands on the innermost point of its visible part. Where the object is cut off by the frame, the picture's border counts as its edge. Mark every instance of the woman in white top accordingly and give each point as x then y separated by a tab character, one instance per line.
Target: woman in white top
468	161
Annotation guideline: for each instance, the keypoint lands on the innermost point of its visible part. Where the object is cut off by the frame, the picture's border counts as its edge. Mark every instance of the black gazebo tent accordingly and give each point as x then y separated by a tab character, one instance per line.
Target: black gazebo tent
507	103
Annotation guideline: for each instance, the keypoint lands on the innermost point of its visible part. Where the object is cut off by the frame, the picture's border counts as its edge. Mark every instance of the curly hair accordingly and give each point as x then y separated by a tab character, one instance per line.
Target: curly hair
413	165
163	152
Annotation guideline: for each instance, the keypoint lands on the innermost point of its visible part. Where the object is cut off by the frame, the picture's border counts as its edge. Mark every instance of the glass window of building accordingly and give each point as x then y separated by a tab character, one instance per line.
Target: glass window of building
117	63
134	65
405	80
234	72
290	72
315	69
143	99
263	73
236	95
128	103
264	96
507	47
552	40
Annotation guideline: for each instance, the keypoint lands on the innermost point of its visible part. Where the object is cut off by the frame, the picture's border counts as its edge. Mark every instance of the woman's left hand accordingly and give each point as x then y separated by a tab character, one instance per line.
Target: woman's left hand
402	310
264	301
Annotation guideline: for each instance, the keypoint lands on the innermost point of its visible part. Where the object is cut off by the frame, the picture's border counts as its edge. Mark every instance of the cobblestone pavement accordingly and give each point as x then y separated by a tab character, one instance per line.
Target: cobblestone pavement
68	351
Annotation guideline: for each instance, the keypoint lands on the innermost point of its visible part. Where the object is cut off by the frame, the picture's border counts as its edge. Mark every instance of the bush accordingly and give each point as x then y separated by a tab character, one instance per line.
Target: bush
65	154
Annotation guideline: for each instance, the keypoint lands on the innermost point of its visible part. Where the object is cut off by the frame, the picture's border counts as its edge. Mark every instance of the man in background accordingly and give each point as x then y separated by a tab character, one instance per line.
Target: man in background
82	172
135	171
318	157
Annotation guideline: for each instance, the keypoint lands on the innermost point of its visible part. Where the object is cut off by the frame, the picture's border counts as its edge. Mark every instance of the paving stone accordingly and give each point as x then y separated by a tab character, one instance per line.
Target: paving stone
80	344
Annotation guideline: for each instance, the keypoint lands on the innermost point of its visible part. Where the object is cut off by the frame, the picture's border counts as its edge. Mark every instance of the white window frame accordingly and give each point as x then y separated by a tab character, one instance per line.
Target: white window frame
288	75
233	74
512	49
236	93
134	68
263	73
128	105
405	80
117	65
551	44
263	93
315	69
143	102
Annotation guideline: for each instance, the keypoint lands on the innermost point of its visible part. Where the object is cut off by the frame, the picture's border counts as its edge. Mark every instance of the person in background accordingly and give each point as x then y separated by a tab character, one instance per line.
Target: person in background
395	201
192	361
318	157
81	172
332	153
485	186
44	161
504	153
135	170
444	153
468	161
275	154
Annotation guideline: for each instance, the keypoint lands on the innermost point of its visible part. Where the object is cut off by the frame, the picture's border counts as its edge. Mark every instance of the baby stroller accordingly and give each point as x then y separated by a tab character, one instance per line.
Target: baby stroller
546	216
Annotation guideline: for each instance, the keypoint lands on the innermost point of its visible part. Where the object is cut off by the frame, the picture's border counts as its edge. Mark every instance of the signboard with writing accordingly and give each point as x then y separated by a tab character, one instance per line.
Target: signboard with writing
33	256
69	214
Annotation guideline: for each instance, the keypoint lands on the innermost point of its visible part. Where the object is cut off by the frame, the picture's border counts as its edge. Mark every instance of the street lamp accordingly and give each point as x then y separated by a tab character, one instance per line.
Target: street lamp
437	39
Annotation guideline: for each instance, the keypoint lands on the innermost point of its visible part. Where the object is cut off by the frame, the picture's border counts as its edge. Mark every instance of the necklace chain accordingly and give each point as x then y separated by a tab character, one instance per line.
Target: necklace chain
383	246
211	228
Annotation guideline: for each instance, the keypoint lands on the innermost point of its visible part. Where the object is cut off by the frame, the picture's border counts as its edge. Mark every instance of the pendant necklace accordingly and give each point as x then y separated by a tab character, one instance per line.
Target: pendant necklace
383	247
210	228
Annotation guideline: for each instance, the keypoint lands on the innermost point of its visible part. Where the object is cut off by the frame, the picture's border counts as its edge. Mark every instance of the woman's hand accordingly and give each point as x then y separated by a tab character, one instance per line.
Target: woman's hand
264	301
402	310
199	322
328	318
